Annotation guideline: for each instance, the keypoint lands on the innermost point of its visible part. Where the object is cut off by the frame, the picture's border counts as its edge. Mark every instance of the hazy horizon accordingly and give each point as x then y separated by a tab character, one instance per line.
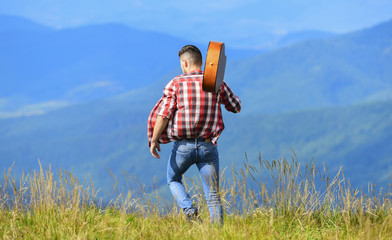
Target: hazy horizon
241	24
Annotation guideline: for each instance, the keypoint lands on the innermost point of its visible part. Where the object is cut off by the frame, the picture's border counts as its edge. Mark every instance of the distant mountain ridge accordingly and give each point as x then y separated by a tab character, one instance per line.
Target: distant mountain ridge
336	71
80	64
59	64
41	64
296	37
13	23
50	69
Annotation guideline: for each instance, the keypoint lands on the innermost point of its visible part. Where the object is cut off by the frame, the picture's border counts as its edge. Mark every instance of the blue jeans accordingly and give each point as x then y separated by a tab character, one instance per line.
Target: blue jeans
185	153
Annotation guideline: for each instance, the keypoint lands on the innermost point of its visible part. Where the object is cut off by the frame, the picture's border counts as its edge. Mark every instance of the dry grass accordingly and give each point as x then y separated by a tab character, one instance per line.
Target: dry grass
276	199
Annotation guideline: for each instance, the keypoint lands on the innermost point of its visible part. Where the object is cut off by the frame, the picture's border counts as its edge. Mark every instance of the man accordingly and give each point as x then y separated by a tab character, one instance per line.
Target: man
193	119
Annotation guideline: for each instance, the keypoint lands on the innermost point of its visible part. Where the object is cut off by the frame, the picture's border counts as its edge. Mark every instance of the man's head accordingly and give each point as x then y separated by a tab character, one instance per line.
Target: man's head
190	58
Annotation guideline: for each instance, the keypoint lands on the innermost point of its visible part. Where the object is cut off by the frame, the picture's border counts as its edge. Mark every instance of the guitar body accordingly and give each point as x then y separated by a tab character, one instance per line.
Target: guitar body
214	70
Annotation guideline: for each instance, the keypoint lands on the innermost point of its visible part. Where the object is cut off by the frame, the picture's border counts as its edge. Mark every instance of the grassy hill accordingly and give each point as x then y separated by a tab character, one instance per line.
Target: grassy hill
55	204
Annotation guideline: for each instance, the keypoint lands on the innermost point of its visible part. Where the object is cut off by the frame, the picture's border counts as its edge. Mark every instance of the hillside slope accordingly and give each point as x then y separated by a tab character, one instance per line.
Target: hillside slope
112	135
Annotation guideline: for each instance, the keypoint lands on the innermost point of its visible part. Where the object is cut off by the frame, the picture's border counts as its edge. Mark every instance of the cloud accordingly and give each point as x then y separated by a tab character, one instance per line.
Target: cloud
280	32
3	102
90	88
33	109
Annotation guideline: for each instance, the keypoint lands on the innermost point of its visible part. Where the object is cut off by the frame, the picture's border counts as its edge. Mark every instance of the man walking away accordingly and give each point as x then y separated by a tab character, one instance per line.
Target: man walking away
193	119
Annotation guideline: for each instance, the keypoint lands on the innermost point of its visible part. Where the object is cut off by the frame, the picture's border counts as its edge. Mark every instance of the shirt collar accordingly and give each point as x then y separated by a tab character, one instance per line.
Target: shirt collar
195	72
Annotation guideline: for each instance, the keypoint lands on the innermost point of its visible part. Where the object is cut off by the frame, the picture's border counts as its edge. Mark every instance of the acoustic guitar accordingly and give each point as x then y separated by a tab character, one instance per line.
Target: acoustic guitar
214	70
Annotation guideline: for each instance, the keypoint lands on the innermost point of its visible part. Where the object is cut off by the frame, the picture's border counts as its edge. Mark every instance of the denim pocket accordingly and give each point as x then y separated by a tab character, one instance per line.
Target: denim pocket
208	152
184	150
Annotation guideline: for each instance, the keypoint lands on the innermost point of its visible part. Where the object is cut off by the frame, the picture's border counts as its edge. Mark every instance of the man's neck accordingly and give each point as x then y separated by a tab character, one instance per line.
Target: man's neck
193	69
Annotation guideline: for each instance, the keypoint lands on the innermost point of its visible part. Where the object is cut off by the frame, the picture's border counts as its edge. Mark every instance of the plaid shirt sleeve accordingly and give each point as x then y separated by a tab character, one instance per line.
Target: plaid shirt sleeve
231	102
152	118
168	105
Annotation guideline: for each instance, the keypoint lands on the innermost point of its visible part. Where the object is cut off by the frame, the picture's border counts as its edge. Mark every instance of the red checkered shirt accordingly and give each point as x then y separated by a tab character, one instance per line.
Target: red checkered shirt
191	111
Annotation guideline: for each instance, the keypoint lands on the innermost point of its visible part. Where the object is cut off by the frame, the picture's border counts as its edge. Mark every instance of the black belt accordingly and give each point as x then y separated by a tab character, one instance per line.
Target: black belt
199	139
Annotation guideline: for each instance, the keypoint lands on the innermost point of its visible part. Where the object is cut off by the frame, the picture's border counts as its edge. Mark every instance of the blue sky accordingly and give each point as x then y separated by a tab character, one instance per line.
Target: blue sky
243	23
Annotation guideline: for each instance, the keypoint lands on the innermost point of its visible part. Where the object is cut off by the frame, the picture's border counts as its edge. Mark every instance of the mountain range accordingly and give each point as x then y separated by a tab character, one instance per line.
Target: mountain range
40	64
336	71
326	99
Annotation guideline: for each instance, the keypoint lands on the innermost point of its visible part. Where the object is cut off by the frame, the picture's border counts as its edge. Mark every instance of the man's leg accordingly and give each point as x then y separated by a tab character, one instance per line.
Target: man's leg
208	165
179	161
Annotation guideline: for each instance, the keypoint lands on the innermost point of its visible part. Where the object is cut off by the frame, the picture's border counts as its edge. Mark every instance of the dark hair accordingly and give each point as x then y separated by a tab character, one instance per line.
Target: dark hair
194	52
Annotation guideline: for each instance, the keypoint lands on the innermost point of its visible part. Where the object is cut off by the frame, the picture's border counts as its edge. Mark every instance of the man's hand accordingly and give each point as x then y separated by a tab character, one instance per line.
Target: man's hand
158	129
153	149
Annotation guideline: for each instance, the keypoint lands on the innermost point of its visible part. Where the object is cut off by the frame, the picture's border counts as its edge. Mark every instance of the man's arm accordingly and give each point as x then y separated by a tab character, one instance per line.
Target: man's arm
160	125
229	99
